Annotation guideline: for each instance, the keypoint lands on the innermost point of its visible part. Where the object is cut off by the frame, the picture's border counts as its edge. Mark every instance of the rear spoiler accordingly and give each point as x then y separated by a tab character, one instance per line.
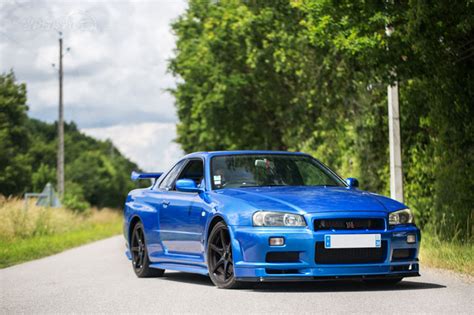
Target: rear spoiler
136	176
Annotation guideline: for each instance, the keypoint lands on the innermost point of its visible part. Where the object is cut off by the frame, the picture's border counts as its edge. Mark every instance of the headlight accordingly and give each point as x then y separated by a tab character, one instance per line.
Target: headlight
400	217
266	218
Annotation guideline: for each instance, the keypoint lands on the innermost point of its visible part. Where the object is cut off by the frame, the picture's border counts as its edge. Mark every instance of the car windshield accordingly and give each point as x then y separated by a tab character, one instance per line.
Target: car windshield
237	171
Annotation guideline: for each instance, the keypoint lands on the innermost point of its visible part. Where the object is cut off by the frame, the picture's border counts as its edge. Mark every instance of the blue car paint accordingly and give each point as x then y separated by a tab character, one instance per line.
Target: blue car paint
136	176
177	224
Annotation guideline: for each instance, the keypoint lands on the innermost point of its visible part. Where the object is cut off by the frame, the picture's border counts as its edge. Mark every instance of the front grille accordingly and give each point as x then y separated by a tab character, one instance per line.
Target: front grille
283	257
348	224
350	255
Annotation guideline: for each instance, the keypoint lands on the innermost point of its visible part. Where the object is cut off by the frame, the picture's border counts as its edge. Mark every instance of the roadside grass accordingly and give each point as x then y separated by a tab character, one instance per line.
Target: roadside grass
38	231
452	255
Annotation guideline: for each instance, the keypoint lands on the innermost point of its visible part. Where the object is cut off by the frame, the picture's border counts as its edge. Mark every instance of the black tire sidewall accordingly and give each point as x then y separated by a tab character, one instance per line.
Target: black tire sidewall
232	283
145	271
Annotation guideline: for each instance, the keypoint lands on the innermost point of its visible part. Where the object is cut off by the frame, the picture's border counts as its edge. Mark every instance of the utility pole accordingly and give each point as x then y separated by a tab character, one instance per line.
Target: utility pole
60	161
396	169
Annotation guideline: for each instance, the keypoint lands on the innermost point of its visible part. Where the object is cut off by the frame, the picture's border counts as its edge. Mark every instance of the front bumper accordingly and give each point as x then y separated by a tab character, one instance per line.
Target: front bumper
251	246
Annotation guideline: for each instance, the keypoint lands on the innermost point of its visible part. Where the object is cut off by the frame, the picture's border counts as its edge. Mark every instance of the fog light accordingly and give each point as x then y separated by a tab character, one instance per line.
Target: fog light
411	238
276	241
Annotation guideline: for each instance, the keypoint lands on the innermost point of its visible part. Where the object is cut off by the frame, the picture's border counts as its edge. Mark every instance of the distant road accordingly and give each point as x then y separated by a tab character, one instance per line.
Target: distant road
97	278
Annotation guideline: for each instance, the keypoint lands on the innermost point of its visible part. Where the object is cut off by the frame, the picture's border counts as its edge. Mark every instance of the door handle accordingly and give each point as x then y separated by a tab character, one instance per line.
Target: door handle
166	203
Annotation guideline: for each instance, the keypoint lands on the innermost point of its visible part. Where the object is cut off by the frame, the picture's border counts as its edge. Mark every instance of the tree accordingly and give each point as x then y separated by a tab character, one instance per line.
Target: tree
232	96
15	170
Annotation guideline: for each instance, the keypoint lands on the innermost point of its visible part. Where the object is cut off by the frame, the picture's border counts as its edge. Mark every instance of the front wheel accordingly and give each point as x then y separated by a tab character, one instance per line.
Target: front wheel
219	258
140	260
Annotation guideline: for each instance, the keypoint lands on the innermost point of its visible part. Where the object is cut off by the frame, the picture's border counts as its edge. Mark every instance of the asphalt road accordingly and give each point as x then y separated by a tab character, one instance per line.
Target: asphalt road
97	278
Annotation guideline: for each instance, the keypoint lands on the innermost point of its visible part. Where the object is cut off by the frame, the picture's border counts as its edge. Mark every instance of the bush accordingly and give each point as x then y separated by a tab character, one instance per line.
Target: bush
74	198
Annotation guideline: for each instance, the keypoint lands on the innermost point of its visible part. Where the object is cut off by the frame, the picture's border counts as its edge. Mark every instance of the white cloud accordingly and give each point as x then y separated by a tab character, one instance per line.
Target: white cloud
151	143
115	74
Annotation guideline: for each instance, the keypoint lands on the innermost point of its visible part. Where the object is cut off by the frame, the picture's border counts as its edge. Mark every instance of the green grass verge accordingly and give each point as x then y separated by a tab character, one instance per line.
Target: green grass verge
21	250
447	255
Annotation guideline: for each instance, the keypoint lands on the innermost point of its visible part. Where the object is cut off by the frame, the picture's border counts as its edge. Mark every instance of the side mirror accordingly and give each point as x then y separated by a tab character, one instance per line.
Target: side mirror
352	182
187	185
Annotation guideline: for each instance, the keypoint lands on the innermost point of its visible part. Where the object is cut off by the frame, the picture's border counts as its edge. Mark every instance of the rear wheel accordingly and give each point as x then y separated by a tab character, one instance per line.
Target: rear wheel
388	281
140	260
219	258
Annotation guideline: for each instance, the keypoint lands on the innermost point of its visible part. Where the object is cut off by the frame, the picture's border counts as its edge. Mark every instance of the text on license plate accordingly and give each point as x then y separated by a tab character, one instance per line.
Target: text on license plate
352	241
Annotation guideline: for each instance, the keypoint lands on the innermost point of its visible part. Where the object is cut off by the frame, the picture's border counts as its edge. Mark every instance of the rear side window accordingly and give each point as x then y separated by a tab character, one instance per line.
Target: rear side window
167	182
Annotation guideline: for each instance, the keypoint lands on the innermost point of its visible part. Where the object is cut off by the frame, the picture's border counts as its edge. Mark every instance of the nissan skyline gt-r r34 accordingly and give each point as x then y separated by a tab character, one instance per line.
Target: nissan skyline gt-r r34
256	216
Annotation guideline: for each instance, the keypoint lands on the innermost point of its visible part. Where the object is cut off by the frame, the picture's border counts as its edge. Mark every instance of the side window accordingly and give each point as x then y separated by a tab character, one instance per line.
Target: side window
194	170
168	181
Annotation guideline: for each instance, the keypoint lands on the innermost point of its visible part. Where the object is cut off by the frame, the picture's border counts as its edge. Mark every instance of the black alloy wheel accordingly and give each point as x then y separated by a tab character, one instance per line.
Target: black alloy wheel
219	258
140	260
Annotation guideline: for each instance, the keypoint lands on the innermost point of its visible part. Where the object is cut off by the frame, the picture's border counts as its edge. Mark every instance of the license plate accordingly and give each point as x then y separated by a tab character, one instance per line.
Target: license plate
352	241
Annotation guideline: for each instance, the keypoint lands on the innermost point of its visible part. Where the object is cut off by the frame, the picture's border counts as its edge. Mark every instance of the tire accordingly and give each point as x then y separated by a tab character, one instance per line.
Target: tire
139	252
219	258
388	281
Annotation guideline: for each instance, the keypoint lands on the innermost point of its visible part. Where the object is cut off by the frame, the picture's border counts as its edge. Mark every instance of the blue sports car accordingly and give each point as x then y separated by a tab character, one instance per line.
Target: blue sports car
241	216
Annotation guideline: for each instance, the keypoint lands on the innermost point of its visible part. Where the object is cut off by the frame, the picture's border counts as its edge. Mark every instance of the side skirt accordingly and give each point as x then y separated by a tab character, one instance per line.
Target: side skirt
179	267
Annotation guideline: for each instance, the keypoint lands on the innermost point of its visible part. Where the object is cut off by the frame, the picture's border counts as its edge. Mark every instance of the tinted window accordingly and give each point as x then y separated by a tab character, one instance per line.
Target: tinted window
168	181
194	170
270	170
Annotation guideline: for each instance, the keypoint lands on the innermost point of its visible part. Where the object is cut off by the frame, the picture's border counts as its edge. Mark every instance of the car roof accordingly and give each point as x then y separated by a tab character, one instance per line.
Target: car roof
210	154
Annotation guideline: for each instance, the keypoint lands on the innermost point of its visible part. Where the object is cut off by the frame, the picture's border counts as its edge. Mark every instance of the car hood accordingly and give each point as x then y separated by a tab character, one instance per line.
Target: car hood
312	199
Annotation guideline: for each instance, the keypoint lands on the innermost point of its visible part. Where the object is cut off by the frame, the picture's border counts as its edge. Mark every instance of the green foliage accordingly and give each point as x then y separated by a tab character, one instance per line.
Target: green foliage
311	75
15	169
96	167
74	198
96	173
43	175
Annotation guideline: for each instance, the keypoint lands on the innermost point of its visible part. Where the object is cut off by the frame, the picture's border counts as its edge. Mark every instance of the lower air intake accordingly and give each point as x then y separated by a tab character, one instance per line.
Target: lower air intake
283	257
350	255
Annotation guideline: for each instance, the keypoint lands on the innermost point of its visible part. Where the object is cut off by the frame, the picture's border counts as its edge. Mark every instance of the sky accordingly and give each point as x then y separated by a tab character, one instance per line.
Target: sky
115	73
